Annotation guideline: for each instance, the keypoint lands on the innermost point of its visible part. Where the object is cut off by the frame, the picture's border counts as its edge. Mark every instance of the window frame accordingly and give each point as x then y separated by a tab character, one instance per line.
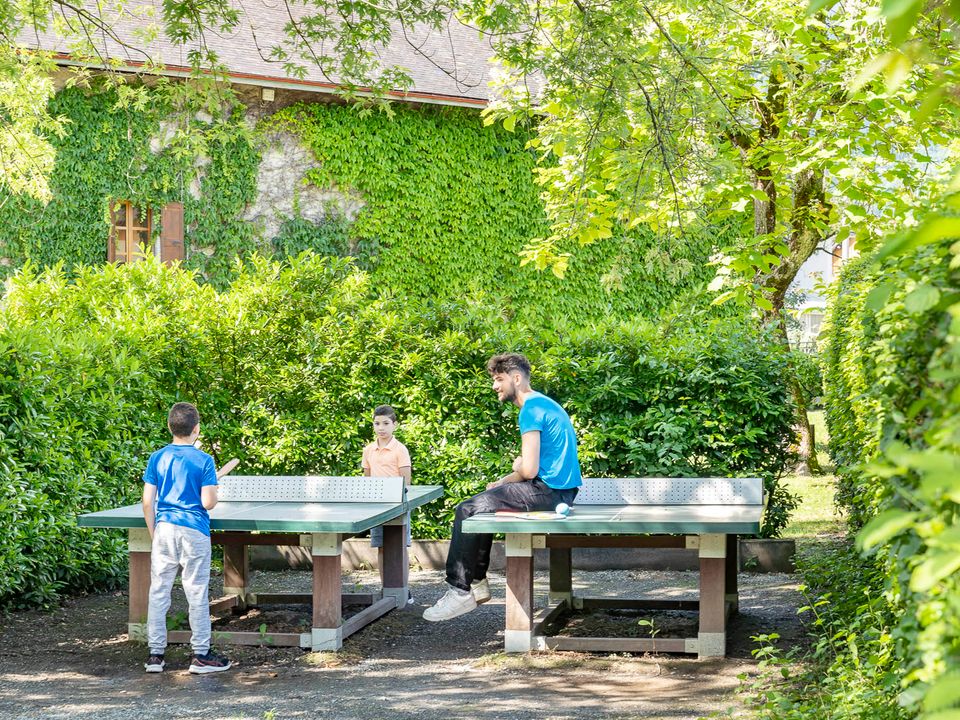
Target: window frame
132	251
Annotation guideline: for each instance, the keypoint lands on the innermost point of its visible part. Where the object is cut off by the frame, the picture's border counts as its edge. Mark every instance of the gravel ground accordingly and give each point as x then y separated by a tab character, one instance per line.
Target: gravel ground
75	661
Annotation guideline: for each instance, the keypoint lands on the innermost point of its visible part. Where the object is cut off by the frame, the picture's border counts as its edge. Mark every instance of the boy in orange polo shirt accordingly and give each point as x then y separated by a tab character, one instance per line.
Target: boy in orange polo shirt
385	457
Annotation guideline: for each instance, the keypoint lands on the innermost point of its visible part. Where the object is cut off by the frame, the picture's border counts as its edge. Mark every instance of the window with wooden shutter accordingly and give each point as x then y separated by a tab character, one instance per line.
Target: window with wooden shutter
131	233
130	229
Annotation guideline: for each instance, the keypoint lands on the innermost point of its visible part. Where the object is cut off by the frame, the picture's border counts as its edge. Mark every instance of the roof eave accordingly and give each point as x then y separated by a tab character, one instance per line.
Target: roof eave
283	83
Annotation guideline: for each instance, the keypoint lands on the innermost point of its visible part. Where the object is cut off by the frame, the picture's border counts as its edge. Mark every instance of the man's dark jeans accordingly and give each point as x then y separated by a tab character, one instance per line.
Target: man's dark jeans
469	555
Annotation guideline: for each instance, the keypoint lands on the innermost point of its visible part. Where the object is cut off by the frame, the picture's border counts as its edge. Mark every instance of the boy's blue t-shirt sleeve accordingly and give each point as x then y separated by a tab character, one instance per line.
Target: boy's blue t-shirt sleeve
150	472
209	473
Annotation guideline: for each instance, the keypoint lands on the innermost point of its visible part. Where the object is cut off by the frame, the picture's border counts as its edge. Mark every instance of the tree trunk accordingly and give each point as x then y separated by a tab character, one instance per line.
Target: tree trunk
809	200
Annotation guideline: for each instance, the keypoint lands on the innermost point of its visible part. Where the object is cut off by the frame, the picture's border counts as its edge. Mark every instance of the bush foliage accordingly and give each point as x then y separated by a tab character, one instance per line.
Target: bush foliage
892	378
286	367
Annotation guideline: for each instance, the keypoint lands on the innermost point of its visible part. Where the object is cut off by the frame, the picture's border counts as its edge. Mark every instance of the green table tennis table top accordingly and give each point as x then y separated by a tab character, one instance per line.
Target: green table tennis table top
629	520
304	517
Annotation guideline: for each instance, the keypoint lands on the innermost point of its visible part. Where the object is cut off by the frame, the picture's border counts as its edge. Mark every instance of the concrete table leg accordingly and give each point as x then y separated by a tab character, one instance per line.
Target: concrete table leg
326	632
561	575
139	547
236	572
518	636
395	561
712	638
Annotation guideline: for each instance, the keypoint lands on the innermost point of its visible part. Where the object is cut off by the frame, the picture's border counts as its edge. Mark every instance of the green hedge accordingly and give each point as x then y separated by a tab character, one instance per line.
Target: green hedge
892	379
286	367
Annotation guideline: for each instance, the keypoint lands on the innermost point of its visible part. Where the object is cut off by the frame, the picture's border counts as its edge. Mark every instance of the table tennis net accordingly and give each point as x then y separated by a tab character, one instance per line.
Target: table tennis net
311	488
670	491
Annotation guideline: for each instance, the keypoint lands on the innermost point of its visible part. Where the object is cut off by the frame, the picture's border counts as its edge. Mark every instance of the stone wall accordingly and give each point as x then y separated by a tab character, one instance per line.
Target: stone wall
284	193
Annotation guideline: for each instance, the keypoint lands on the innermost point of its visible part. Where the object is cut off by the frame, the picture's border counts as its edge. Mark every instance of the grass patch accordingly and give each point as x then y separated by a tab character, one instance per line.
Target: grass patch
817	519
817	514
820	436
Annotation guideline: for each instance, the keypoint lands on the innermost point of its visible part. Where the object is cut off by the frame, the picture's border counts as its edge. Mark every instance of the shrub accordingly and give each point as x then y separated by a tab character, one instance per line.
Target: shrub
286	367
892	367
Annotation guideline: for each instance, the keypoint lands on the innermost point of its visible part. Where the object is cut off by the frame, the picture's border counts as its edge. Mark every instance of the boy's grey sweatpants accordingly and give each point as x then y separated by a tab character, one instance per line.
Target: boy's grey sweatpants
175	546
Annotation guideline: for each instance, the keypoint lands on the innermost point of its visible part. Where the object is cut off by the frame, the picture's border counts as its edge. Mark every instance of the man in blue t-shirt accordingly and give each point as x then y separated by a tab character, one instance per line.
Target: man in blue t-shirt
179	487
546	474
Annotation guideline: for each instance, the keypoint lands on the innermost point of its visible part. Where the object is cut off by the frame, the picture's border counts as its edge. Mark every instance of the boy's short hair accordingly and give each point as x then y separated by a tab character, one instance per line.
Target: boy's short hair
182	419
509	363
385	411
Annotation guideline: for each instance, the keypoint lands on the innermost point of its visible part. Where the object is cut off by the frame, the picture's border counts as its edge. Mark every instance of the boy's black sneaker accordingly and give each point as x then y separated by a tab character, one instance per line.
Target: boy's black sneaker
154	664
209	663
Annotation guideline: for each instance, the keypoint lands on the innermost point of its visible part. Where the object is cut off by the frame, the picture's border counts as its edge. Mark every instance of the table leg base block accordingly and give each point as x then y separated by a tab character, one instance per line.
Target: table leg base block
137	632
711	645
400	594
518	641
326	639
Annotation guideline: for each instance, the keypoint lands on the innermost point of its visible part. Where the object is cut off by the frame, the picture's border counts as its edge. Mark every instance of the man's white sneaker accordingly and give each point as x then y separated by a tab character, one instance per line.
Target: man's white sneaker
451	605
481	591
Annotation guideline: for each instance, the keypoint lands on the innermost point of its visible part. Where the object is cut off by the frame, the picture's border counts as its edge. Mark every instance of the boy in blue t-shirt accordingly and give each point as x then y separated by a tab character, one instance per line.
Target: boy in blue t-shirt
179	487
546	473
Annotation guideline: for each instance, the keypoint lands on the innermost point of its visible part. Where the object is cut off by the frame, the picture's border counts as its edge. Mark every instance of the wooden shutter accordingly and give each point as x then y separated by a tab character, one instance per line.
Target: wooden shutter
171	233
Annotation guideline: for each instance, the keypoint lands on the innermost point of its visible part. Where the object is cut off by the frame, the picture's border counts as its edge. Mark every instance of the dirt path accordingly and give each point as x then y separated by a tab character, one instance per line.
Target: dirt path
75	662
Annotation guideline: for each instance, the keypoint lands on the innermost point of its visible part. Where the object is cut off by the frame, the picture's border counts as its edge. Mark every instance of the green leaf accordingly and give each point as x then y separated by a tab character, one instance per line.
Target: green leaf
897	71
942	715
901	16
896	8
871	69
922	298
883	527
935	568
509	123
877	297
931	102
816	6
933	230
943	693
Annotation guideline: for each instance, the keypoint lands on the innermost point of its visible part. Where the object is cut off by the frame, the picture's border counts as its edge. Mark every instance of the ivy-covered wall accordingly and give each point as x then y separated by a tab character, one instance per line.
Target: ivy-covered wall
145	153
446	204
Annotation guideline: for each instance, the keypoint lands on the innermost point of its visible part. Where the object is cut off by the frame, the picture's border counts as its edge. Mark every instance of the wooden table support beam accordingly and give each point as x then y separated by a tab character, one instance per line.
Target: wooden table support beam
395	561
712	638
326	631
236	572
139	547
519	633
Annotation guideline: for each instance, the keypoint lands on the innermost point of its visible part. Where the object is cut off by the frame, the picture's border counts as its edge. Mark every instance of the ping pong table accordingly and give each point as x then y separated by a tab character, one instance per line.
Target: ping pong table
701	514
312	512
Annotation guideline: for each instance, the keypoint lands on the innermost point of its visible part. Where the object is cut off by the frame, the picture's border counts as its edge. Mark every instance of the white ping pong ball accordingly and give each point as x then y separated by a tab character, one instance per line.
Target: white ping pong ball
563	509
